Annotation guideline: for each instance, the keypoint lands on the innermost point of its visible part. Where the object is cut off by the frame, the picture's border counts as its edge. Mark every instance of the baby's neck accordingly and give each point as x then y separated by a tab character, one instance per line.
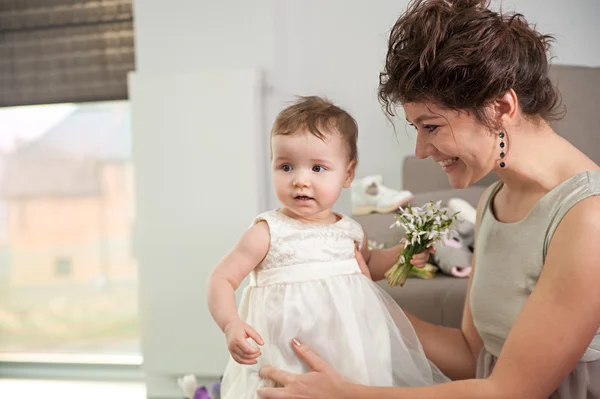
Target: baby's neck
326	216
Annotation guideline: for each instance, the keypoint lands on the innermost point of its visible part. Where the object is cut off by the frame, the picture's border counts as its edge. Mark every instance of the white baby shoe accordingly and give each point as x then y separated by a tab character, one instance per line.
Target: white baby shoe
370	195
188	384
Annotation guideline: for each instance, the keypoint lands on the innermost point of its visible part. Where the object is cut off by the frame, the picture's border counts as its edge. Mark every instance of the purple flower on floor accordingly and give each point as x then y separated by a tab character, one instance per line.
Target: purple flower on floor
189	385
216	390
202	393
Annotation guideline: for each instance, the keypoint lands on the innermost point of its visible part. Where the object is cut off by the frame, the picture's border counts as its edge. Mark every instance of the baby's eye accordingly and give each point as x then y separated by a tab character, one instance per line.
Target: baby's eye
318	168
286	167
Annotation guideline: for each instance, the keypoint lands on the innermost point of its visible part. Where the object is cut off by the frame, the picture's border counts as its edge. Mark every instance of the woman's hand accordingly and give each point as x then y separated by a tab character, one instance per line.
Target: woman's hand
322	382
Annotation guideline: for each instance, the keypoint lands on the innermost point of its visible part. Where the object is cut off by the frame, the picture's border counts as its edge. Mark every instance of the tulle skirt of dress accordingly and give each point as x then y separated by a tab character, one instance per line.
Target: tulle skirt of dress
342	315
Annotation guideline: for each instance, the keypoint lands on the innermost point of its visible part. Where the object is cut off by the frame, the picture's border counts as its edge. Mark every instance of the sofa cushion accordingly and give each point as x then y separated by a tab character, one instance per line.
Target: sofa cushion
439	300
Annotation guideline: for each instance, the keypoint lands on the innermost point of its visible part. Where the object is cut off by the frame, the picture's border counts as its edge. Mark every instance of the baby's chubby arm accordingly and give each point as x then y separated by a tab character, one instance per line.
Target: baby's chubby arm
364	268
226	277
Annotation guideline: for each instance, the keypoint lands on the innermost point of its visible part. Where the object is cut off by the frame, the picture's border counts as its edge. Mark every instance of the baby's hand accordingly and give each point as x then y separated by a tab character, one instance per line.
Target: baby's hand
236	333
420	260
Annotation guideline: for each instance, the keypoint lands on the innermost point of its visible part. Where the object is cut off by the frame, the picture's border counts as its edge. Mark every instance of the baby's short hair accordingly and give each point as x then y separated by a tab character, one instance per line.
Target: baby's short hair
314	113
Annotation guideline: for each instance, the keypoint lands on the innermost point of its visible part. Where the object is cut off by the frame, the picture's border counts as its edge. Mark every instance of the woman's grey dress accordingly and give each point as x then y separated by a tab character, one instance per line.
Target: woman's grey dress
509	260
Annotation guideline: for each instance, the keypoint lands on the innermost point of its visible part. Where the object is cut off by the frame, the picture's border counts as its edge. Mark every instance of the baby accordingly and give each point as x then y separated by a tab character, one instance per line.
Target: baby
310	270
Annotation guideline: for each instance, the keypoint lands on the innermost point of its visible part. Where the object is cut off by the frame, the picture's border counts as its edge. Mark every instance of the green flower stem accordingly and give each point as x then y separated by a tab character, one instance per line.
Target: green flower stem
426	273
399	272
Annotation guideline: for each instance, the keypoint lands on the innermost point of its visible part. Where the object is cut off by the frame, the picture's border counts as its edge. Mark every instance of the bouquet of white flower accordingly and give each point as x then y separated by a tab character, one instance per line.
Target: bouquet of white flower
423	227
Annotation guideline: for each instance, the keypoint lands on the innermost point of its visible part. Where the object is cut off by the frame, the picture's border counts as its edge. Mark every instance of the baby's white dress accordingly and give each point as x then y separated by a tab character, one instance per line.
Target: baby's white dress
310	287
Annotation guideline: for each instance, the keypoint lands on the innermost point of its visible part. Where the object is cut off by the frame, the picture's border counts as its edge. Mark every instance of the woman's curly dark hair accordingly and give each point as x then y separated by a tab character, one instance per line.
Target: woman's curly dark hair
460	55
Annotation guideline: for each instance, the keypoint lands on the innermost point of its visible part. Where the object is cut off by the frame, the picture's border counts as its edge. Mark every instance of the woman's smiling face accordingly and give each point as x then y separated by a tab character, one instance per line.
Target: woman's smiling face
465	149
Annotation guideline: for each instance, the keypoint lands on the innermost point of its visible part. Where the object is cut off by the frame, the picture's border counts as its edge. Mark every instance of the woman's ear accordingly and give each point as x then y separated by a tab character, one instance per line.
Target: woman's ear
350	173
506	107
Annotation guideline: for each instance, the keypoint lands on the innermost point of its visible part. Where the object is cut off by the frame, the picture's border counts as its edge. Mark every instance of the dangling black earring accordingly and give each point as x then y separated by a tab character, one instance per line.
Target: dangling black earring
502	154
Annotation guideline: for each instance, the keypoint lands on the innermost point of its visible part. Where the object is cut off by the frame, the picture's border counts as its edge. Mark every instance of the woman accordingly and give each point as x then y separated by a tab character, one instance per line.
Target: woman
475	85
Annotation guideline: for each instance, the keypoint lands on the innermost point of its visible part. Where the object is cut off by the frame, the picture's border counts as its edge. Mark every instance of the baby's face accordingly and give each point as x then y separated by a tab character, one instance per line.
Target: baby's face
309	173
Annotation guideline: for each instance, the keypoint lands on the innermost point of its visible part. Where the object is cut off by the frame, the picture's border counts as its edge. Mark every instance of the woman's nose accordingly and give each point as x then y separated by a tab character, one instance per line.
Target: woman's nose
424	148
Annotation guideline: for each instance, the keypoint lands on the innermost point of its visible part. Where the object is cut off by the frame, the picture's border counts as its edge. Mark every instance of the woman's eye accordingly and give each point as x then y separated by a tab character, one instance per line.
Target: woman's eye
286	167
430	128
318	168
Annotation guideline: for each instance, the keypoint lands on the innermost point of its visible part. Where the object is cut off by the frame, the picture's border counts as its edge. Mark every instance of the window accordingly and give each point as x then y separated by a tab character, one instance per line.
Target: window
68	278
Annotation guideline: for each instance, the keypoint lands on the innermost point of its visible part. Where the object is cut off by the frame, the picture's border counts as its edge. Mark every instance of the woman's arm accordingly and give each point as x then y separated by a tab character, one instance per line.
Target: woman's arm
454	351
231	271
548	338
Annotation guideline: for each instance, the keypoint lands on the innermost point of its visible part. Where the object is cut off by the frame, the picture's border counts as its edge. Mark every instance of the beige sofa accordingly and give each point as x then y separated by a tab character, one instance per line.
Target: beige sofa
441	299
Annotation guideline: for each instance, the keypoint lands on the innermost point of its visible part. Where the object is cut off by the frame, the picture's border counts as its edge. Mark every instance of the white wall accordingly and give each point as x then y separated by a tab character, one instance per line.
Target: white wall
195	194
189	35
184	35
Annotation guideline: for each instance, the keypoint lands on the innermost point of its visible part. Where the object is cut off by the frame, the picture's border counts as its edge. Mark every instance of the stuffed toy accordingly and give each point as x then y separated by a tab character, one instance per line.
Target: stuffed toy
453	255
